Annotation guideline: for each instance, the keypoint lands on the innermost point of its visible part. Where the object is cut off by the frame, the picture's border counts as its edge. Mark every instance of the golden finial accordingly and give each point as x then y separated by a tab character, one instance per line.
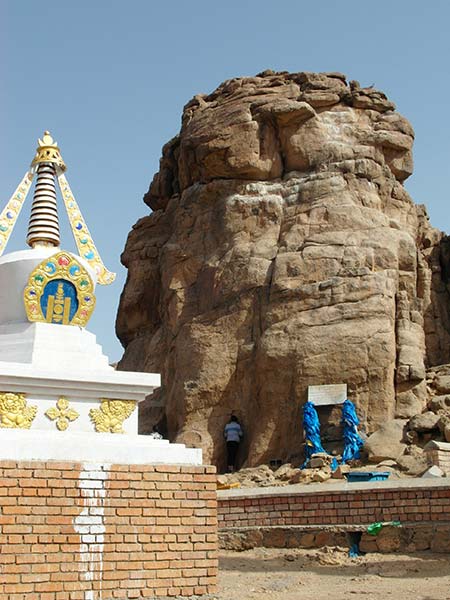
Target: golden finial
48	152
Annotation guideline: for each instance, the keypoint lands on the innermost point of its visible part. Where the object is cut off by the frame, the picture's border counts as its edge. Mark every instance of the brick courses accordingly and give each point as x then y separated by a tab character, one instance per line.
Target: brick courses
408	501
116	531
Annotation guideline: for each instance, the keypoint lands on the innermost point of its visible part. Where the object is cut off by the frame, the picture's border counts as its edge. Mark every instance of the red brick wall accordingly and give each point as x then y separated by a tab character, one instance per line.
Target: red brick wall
116	531
363	505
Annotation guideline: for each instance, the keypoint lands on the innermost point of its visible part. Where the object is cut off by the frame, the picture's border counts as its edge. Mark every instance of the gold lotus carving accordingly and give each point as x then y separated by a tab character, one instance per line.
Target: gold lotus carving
14	411
62	414
110	416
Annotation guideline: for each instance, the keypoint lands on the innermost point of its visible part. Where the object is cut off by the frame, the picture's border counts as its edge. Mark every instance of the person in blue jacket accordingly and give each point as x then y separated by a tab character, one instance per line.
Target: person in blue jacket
233	434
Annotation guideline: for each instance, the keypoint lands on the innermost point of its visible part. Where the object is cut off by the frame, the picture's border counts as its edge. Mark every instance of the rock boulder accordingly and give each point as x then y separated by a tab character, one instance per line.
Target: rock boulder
283	251
424	422
386	442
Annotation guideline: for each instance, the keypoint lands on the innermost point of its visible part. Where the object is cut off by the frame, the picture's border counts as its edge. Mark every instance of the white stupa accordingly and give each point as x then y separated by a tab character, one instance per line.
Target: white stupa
59	397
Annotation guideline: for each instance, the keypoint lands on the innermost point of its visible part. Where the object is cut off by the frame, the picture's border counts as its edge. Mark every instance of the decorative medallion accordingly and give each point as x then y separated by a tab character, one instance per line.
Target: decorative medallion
62	414
110	416
60	290
83	238
14	412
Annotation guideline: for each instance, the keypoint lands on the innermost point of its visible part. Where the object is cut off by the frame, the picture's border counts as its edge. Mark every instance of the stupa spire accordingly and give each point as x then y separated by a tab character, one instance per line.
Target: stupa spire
43	228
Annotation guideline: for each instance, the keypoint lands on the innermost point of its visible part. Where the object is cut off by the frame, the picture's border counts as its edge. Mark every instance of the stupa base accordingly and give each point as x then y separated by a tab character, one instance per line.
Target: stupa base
20	445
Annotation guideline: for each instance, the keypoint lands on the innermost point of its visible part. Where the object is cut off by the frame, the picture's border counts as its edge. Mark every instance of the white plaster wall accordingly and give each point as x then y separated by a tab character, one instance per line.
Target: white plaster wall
90	524
67	348
28	445
124	385
45	361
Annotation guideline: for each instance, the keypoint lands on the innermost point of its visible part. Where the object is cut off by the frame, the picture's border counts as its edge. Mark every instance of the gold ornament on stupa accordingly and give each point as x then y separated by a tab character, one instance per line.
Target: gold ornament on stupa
43	229
48	152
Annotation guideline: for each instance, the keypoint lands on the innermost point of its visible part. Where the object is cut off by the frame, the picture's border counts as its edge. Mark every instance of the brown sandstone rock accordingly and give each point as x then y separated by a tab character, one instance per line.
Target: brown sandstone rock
386	442
447	432
389	539
321	475
413	465
424	422
318	461
302	476
340	472
439	403
441	540
283	251
285	472
444	425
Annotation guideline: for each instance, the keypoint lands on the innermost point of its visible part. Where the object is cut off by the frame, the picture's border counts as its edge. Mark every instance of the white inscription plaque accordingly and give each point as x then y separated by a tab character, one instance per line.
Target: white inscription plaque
321	395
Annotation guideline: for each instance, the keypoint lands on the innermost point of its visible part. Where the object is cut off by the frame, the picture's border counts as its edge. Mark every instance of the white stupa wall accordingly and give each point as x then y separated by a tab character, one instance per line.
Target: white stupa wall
69	348
68	446
46	361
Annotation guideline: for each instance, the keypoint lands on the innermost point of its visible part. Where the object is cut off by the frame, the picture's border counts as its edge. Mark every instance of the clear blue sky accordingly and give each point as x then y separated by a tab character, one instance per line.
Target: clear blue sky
109	79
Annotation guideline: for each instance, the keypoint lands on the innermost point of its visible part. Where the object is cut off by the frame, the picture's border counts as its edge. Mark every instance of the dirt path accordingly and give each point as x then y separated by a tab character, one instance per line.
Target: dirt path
329	574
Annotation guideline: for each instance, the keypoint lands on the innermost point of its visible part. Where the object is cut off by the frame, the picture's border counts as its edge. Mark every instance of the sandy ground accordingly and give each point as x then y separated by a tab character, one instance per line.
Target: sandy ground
330	574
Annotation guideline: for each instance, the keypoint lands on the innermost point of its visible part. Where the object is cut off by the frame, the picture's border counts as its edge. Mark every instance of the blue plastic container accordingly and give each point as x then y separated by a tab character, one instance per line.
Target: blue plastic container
357	476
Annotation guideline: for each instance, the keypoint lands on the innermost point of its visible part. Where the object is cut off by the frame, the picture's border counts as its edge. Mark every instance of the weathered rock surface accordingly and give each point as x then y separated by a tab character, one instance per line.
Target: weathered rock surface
386	442
340	472
444	425
413	465
424	422
283	251
439	403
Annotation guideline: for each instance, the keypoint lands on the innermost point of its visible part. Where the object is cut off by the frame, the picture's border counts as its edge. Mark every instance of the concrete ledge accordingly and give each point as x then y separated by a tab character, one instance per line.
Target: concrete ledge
26	445
434	445
327	488
108	383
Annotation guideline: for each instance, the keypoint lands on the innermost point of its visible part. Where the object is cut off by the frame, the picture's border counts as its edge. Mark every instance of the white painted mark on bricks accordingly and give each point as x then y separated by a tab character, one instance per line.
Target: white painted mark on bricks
90	524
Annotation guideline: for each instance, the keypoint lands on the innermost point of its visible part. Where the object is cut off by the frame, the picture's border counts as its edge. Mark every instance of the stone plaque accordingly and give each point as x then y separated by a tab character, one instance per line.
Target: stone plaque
321	395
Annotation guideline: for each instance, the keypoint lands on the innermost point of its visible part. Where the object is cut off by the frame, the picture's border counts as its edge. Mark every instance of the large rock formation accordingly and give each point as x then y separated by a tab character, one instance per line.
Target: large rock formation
283	251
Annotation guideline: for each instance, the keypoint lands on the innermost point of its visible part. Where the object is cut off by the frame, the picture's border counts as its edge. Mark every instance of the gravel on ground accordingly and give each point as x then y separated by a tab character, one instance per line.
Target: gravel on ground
330	574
